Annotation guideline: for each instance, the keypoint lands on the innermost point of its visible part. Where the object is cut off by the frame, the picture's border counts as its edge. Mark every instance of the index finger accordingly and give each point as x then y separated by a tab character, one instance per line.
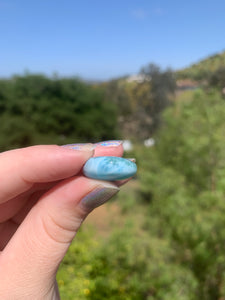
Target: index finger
21	168
106	148
109	148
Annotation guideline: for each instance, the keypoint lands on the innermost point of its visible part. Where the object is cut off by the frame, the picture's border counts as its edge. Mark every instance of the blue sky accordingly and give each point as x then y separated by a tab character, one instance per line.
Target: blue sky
98	39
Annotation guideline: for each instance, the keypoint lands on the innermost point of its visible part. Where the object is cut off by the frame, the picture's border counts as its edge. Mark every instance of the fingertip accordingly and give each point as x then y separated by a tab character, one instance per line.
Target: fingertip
109	151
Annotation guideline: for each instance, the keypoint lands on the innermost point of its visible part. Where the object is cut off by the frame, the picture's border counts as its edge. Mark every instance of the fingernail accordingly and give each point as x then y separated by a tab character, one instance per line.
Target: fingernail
109	168
99	195
84	147
109	143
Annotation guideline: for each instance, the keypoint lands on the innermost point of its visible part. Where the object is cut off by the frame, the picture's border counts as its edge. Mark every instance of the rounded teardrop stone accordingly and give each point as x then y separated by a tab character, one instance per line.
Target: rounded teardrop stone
109	168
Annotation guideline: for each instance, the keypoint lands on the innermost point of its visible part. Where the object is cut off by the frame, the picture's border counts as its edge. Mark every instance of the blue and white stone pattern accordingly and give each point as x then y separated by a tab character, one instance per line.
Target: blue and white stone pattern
109	168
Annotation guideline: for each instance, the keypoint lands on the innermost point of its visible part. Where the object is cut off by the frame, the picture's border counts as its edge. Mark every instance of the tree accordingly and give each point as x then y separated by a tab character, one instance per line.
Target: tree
157	88
217	79
35	109
183	181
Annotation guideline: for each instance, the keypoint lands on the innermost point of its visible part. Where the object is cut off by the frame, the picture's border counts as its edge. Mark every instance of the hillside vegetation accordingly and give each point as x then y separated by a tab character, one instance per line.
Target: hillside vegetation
203	69
141	103
35	109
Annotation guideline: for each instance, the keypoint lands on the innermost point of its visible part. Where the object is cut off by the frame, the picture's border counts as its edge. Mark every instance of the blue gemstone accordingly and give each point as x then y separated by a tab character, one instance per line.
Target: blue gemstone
109	168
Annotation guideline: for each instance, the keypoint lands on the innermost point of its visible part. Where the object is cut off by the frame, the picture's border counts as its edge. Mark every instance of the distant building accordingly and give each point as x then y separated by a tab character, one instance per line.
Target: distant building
187	84
139	78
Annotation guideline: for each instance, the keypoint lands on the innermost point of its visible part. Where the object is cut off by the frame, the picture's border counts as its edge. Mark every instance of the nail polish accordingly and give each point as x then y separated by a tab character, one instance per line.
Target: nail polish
99	195
109	143
80	146
109	168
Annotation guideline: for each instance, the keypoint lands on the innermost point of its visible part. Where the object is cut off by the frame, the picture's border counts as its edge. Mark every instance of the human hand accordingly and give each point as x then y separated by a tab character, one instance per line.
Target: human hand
43	201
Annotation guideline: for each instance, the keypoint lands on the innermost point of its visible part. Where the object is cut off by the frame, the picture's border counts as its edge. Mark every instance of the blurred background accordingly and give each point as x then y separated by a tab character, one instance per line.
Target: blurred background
151	73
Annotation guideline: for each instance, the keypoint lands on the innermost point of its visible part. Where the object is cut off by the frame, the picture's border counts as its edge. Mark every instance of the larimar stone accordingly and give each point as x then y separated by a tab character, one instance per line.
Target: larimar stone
109	168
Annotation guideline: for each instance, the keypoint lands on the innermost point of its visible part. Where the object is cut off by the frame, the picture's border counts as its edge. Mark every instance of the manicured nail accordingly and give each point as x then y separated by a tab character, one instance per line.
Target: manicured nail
109	143
109	168
99	195
85	147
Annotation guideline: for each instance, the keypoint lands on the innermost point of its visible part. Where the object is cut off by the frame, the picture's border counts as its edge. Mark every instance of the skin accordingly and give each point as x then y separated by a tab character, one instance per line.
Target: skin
41	189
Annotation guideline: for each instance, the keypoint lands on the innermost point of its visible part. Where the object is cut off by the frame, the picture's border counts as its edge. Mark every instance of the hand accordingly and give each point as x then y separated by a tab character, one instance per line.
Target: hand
43	201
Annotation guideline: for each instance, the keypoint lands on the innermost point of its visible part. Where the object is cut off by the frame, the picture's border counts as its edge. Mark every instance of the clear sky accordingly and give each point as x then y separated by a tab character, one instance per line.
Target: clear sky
101	39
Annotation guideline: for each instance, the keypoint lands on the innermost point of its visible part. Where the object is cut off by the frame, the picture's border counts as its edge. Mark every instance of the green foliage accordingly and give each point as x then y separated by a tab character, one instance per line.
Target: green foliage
203	69
193	143
35	109
217	79
141	103
161	85
128	266
183	180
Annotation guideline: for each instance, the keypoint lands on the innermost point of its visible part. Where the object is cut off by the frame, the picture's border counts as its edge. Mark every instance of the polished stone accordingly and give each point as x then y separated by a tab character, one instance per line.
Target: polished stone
109	168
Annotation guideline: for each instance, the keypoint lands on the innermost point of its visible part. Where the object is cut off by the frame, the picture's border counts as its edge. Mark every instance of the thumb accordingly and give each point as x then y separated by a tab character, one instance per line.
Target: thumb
32	256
